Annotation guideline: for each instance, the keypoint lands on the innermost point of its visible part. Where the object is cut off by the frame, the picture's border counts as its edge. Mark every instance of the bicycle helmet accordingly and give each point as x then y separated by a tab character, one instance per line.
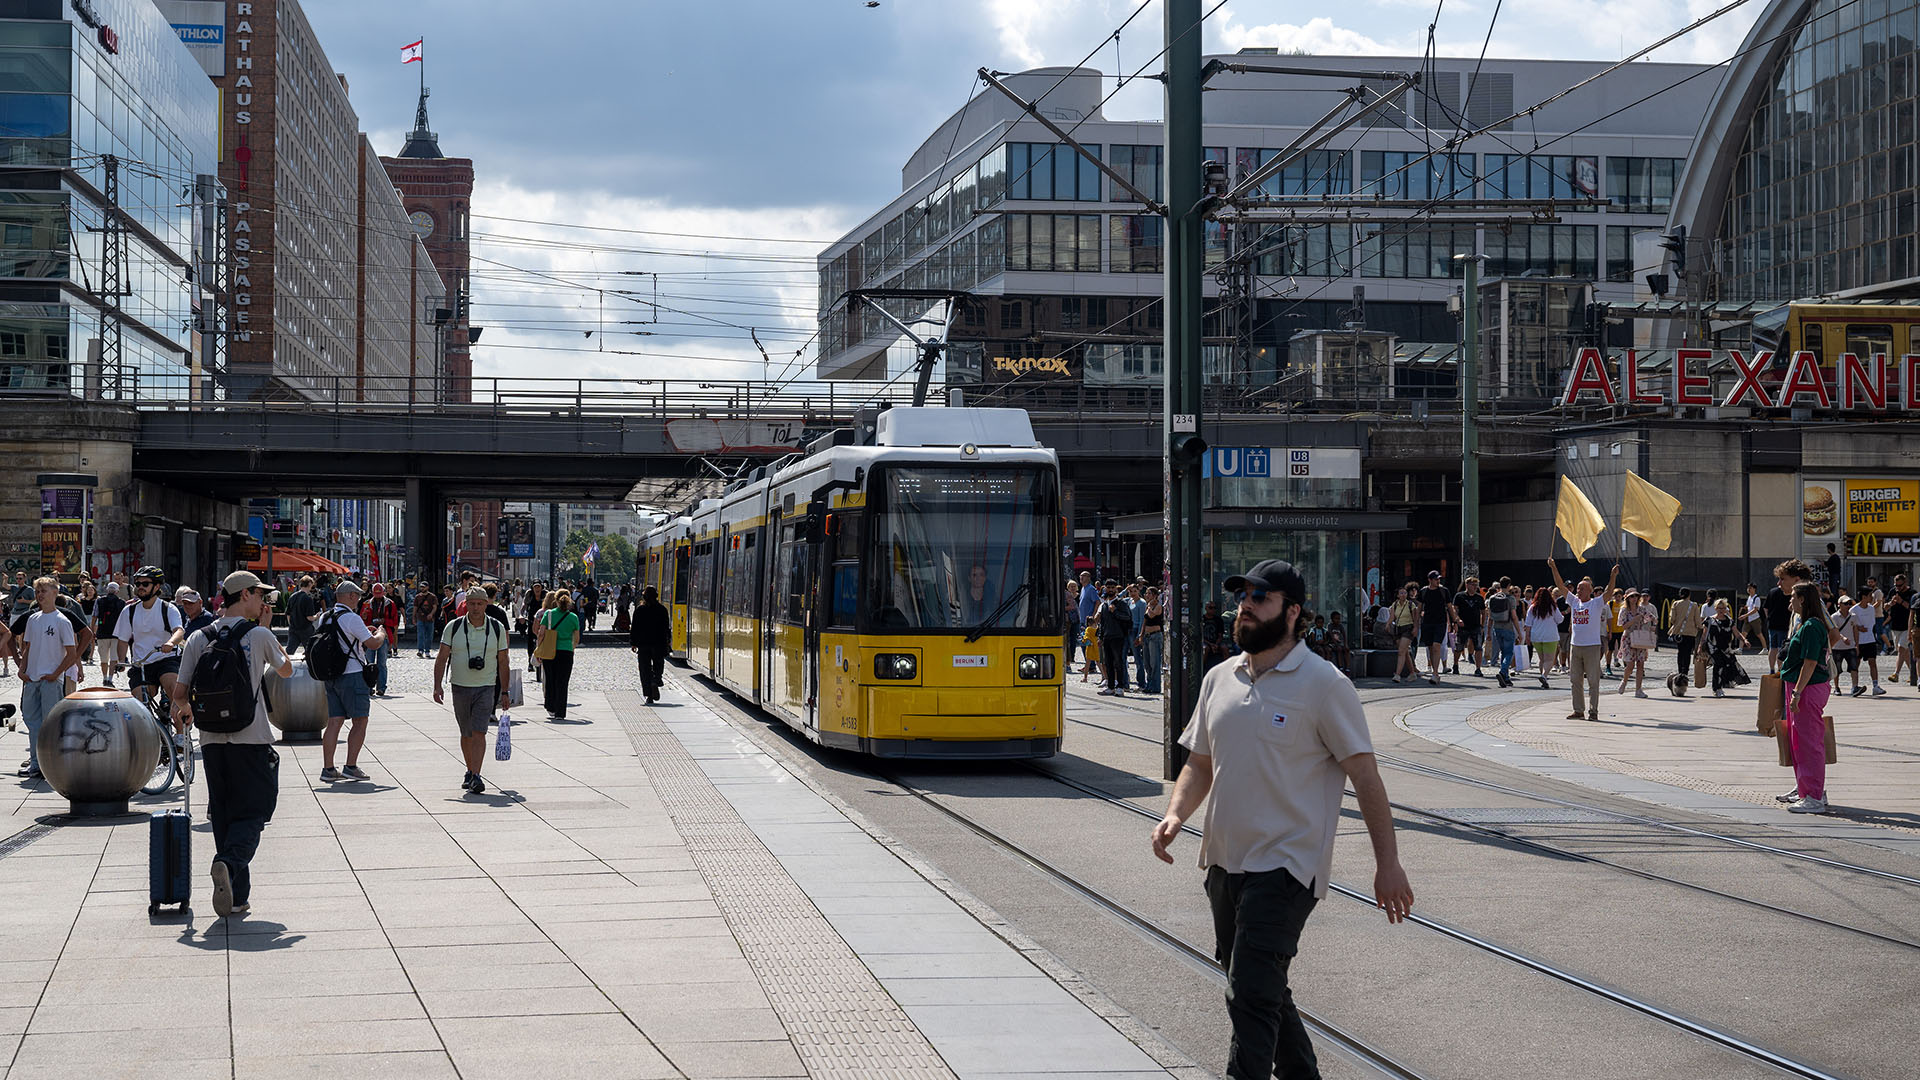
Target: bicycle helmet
149	573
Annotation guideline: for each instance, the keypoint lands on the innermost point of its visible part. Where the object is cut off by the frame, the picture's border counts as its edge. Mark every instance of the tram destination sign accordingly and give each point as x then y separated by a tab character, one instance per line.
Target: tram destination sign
1876	383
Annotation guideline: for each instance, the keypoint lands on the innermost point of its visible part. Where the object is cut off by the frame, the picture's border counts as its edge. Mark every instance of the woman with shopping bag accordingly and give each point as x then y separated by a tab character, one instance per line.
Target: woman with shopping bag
559	635
1806	666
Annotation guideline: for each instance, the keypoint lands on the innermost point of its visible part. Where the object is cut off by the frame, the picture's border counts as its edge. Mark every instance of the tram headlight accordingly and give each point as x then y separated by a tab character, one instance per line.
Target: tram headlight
895	666
1036	666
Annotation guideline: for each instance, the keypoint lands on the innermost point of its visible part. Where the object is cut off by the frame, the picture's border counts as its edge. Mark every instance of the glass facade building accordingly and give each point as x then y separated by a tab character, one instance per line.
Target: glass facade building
86	90
1821	197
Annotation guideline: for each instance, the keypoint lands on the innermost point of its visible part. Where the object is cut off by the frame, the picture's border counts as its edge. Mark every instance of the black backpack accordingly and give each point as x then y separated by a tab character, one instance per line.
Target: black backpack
222	692
327	654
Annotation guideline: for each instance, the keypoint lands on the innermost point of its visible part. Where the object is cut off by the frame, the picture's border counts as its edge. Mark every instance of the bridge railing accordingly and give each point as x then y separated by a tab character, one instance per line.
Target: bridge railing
477	396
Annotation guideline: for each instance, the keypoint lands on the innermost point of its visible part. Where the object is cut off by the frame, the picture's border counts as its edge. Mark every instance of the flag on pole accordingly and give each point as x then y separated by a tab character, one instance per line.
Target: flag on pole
1577	519
593	553
1648	513
410	54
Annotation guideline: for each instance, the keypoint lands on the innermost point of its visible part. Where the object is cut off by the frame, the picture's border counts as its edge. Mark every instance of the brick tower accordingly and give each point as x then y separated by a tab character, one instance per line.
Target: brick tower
437	191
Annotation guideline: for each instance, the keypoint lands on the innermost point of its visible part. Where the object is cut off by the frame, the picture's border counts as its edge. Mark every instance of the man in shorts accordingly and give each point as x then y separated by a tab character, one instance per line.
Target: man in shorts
474	648
349	698
1900	627
146	627
1433	624
1468	607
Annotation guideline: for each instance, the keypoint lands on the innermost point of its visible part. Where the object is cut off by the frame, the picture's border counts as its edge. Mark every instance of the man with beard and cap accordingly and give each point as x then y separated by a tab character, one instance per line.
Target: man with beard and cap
1276	735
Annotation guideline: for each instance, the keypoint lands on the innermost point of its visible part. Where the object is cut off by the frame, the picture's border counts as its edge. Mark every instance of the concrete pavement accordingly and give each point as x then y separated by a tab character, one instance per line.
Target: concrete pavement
644	893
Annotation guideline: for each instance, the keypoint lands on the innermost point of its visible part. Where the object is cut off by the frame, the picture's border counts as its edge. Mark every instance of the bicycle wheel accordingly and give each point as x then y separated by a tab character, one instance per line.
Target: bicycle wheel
163	770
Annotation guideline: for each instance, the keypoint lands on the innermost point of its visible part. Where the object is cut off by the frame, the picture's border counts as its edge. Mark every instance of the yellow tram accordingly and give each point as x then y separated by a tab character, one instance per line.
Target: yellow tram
901	598
661	561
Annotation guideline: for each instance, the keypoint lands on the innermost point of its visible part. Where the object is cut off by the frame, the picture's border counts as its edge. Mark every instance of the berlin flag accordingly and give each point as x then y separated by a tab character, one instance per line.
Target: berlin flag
410	54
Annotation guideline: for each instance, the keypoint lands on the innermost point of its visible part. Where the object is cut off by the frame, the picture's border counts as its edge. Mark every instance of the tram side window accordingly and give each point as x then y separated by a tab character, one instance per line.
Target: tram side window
680	560
846	591
1864	341
743	572
792	575
703	576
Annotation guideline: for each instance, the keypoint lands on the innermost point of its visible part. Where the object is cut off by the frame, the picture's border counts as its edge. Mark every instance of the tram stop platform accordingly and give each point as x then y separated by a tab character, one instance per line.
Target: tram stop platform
1698	752
642	893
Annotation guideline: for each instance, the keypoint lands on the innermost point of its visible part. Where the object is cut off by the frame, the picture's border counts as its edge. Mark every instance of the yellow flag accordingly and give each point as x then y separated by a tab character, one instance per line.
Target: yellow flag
1577	519
1648	513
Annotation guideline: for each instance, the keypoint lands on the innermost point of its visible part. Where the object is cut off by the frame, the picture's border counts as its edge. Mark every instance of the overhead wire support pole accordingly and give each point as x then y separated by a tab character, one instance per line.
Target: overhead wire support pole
1059	133
1470	419
1187	203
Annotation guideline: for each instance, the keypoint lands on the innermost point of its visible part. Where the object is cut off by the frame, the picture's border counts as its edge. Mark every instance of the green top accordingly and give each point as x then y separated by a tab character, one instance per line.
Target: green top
1809	642
564	625
465	640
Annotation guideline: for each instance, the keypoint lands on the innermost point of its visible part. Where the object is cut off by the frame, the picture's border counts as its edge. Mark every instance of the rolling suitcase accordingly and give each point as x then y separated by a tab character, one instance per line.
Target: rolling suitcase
170	857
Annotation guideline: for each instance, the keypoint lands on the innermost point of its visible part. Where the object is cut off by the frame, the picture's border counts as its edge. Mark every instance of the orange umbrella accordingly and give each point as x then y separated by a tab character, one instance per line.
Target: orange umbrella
296	561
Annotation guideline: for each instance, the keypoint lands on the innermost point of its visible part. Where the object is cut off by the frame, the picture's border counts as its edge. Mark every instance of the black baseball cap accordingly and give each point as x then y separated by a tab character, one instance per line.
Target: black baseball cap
1273	575
1431	574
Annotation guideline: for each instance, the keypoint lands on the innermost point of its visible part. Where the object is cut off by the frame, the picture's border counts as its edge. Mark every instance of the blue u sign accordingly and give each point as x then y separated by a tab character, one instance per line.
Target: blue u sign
1238	461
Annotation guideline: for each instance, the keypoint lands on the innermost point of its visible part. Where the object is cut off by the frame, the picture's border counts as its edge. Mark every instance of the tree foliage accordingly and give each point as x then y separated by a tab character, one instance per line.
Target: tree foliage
613	563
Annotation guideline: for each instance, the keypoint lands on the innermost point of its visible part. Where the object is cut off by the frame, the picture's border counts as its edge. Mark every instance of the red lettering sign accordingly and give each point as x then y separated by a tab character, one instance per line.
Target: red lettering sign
1590	373
1749	379
1910	383
1854	377
1634	395
110	40
1803	377
1688	388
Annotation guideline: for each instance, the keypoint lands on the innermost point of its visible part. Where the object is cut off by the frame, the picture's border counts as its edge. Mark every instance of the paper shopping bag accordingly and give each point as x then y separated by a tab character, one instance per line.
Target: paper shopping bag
1773	702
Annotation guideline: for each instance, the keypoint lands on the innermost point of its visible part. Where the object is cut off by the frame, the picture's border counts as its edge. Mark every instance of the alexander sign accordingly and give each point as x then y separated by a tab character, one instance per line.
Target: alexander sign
1875	383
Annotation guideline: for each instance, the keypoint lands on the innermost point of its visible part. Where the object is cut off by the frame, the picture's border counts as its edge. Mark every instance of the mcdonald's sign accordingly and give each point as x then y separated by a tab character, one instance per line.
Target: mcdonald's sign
1869	545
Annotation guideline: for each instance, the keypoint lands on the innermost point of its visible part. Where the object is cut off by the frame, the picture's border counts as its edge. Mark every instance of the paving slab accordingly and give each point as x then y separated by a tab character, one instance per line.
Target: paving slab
642	893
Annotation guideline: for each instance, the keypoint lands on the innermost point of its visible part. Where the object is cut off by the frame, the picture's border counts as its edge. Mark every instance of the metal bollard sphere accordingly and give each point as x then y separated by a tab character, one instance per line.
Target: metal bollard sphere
97	746
297	706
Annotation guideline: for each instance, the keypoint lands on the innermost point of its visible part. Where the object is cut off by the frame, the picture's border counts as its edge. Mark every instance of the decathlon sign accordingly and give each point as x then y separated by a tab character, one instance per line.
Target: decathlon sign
1875	383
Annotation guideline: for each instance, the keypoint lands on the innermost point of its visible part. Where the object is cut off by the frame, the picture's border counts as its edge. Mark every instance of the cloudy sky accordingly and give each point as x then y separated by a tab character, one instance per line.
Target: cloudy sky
720	143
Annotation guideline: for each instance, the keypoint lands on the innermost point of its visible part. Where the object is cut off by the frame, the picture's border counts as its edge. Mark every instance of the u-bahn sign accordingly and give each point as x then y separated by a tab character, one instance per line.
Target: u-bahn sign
1876	383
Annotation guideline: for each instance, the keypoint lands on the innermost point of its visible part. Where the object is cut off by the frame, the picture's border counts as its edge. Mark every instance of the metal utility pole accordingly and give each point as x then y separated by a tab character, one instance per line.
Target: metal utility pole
1185	270
1470	420
113	289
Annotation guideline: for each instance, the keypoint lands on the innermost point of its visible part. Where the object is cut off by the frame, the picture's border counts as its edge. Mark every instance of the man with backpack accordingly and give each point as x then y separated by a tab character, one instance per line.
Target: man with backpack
219	692
337	657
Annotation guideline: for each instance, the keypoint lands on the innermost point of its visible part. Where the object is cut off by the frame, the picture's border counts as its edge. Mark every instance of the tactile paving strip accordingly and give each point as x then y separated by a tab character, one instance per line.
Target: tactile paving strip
841	1021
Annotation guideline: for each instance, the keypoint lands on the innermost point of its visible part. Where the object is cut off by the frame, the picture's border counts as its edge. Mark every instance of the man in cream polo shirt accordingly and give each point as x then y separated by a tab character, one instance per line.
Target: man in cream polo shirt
1276	735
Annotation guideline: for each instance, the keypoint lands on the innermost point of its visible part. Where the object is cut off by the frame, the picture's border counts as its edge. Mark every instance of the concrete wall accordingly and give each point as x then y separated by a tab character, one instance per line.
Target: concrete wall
68	437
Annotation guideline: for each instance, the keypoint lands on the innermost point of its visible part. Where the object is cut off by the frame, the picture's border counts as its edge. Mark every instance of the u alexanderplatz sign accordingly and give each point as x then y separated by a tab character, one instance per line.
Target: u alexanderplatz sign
1874	383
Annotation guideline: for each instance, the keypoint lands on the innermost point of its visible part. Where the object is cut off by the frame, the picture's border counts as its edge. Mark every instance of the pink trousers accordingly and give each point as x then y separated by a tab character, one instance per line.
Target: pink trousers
1809	740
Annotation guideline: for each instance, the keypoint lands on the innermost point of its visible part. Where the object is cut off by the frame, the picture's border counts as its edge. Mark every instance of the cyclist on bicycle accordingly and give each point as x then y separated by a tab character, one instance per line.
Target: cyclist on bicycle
147	630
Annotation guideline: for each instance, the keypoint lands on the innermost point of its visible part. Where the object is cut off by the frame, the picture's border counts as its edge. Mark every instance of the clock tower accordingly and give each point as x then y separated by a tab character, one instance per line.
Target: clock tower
438	191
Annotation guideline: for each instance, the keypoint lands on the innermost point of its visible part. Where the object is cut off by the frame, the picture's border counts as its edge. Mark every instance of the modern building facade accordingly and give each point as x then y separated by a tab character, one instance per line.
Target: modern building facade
1063	270
317	266
1804	179
105	123
438	192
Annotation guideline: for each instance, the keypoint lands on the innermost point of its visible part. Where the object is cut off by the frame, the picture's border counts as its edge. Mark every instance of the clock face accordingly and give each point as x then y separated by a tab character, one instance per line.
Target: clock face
422	222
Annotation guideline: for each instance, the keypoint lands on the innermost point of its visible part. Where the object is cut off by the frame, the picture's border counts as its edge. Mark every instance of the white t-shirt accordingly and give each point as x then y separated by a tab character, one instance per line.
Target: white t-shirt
146	629
1859	628
1589	620
1276	744
264	654
48	634
354	629
1543	629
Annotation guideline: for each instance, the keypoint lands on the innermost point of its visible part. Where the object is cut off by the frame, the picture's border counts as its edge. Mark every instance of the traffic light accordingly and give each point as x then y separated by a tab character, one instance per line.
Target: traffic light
1186	450
1675	243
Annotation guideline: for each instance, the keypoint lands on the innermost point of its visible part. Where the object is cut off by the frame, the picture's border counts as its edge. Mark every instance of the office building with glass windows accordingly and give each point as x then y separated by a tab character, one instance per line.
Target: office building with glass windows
106	120
1062	269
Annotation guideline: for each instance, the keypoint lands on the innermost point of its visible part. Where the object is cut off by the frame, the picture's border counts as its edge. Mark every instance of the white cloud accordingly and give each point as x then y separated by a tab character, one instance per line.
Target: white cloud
1318	36
539	288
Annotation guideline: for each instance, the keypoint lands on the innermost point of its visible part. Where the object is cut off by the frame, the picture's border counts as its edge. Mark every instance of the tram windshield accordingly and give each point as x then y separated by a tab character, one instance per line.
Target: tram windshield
965	549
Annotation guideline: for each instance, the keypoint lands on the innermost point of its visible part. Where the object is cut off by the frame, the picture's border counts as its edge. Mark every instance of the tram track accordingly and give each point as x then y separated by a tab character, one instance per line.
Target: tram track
1417	768
1724	1039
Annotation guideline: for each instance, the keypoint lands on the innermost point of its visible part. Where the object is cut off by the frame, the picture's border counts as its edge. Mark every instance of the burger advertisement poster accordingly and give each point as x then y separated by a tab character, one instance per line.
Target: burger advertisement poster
1883	507
1820	509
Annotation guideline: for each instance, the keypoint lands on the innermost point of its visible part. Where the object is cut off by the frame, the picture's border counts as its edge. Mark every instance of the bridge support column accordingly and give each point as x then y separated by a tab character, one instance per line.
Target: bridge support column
426	528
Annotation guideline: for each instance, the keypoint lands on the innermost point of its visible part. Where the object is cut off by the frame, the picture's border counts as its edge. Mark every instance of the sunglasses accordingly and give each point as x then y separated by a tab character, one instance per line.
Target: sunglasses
1255	595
